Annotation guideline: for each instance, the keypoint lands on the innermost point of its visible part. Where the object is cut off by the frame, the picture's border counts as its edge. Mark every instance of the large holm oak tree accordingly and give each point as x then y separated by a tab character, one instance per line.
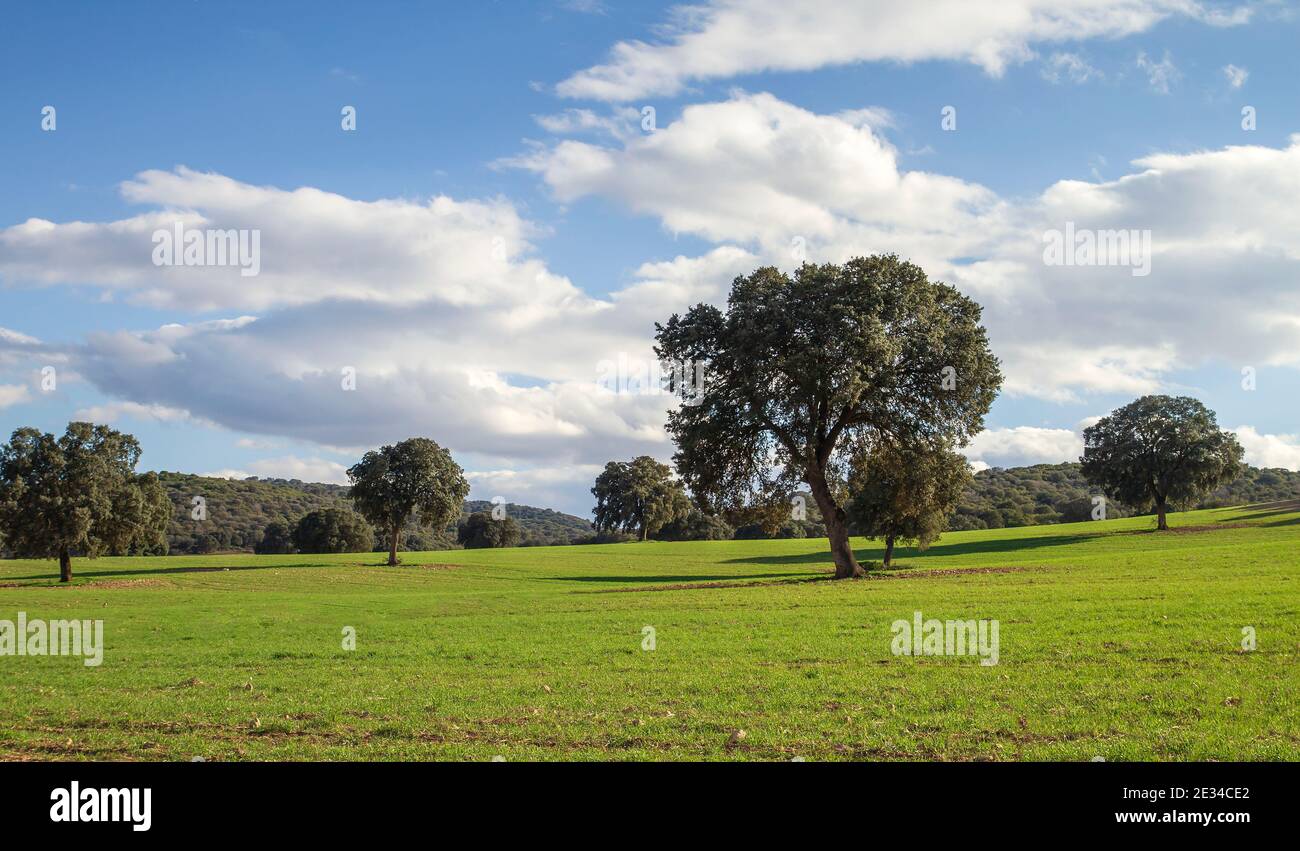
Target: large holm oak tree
79	494
1159	450
803	372
414	478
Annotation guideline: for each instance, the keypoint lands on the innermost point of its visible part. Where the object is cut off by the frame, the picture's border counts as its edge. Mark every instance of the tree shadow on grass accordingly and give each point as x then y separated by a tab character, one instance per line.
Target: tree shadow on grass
169	571
800	579
681	577
877	553
1265	510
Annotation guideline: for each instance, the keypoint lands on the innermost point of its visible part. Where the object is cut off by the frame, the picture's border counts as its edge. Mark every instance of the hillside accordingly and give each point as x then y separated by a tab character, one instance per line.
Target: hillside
1046	494
237	513
1058	493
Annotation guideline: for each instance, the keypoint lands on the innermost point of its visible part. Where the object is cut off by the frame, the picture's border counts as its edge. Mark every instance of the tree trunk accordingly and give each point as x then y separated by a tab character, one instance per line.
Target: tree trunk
645	532
1161	524
837	528
392	548
65	565
889	551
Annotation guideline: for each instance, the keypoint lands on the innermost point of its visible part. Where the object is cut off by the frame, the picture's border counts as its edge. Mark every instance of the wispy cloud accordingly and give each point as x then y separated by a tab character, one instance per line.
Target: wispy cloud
1068	66
1161	75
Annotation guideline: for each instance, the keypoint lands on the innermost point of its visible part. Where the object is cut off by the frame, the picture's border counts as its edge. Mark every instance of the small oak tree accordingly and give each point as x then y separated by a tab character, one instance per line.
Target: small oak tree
802	372
333	530
414	478
481	531
277	539
638	496
696	526
1159	450
899	494
79	494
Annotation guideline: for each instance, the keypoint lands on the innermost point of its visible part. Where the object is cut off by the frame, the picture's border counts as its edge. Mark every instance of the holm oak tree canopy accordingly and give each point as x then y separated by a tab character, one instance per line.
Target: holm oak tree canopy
802	371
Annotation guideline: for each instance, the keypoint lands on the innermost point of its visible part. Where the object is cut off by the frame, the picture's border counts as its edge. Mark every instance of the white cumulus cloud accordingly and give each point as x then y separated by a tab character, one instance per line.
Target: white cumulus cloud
312	469
771	182
1022	445
1269	450
727	38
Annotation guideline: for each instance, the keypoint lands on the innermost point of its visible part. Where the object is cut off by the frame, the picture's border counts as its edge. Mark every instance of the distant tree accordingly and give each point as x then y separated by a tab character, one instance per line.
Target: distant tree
209	542
79	494
638	496
276	540
800	373
696	526
964	522
1014	517
1077	510
333	530
753	522
609	537
906	495
418	540
480	531
417	479
798	518
1159	450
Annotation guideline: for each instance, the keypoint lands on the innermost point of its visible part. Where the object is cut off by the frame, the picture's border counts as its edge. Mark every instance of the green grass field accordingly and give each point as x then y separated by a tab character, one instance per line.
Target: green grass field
1115	642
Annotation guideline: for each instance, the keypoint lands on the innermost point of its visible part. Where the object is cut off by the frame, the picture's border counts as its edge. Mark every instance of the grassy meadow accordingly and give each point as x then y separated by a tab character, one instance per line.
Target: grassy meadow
1115	642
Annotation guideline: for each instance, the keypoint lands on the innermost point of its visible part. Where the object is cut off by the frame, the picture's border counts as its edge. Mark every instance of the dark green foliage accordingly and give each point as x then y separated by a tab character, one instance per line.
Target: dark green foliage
788	529
333	530
1272	484
1080	510
481	531
78	495
238	512
607	538
1159	450
798	518
803	372
901	494
413	480
695	526
638	496
1028	496
276	540
415	539
998	495
537	526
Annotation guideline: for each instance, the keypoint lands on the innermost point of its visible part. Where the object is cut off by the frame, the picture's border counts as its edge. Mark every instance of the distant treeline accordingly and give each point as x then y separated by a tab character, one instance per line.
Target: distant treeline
236	513
999	497
1058	493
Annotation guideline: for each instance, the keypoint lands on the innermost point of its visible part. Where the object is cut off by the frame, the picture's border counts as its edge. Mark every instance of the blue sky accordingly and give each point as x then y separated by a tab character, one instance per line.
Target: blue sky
525	120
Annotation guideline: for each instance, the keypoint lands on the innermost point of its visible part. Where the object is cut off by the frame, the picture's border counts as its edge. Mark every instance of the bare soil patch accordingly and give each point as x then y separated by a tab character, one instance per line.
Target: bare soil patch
939	573
1212	527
